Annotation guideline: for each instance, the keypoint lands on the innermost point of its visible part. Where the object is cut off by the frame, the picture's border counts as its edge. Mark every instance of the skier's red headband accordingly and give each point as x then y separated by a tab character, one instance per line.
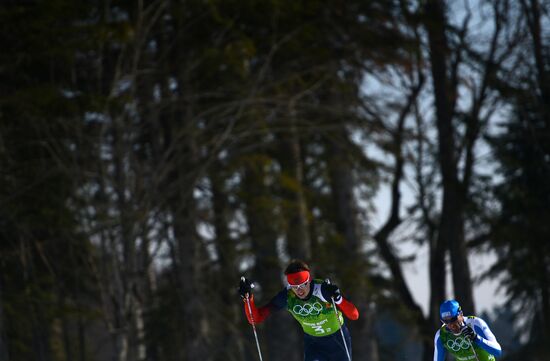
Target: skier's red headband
297	278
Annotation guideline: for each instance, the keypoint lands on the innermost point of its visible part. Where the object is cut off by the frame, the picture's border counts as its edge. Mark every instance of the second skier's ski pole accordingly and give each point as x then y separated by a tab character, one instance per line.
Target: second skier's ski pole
253	324
341	325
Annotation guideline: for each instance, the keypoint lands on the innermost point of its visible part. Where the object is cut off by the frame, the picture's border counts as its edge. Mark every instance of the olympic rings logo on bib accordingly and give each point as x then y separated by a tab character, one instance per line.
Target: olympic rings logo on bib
308	309
458	343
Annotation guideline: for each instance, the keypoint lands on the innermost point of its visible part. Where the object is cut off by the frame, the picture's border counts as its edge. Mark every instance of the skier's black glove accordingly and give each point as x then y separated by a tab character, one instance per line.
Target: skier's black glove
245	287
469	332
331	291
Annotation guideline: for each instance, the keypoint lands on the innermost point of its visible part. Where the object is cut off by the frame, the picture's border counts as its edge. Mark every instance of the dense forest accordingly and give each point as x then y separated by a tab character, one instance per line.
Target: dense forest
153	151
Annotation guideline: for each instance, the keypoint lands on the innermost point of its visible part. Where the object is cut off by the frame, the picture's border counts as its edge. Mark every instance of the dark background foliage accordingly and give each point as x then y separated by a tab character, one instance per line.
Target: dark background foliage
153	151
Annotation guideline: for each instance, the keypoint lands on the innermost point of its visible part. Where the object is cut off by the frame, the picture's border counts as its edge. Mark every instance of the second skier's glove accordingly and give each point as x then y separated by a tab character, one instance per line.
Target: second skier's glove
468	332
245	287
331	291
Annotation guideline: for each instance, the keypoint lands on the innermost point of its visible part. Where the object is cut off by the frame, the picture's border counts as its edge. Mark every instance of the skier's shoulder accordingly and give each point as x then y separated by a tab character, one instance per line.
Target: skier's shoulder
321	289
437	337
317	284
475	321
280	299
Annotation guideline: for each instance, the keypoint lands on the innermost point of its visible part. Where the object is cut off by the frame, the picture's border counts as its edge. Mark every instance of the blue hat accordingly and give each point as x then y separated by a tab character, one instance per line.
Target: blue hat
449	311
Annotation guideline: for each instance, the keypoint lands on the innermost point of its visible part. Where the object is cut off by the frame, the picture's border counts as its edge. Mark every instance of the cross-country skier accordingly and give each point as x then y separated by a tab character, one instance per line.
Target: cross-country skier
466	338
309	301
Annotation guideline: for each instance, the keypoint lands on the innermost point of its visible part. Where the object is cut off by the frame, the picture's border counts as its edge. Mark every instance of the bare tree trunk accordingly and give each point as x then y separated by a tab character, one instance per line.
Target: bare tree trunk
187	259
451	229
290	158
133	344
342	186
532	10
111	286
147	350
187	250
230	343
438	50
426	203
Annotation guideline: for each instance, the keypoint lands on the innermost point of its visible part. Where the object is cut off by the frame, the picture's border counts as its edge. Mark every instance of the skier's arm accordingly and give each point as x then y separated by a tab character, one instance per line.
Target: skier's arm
439	350
259	314
485	337
331	291
348	309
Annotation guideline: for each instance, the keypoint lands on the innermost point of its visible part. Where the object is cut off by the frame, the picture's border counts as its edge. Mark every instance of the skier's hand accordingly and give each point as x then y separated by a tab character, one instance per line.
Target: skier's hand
468	332
331	291
245	287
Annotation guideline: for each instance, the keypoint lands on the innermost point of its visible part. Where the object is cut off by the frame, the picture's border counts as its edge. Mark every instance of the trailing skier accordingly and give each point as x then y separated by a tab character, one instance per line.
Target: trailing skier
466	338
316	304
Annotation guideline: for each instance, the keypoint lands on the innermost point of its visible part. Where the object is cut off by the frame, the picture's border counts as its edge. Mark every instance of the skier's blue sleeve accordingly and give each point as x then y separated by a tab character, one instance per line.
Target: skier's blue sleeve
439	350
279	301
485	338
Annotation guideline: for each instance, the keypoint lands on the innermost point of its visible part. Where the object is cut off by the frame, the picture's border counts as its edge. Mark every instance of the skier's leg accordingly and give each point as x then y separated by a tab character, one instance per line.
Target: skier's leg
338	350
314	349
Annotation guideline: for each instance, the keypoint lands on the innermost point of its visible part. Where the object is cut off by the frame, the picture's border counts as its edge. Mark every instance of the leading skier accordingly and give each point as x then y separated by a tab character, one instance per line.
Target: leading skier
466	338
309	301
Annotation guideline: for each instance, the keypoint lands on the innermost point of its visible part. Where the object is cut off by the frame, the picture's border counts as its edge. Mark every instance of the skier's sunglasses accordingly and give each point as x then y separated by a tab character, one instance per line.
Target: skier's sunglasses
449	321
300	286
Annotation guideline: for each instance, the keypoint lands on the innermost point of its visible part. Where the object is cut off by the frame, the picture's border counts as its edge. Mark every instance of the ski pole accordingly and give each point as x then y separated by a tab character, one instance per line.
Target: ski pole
341	324
253	323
